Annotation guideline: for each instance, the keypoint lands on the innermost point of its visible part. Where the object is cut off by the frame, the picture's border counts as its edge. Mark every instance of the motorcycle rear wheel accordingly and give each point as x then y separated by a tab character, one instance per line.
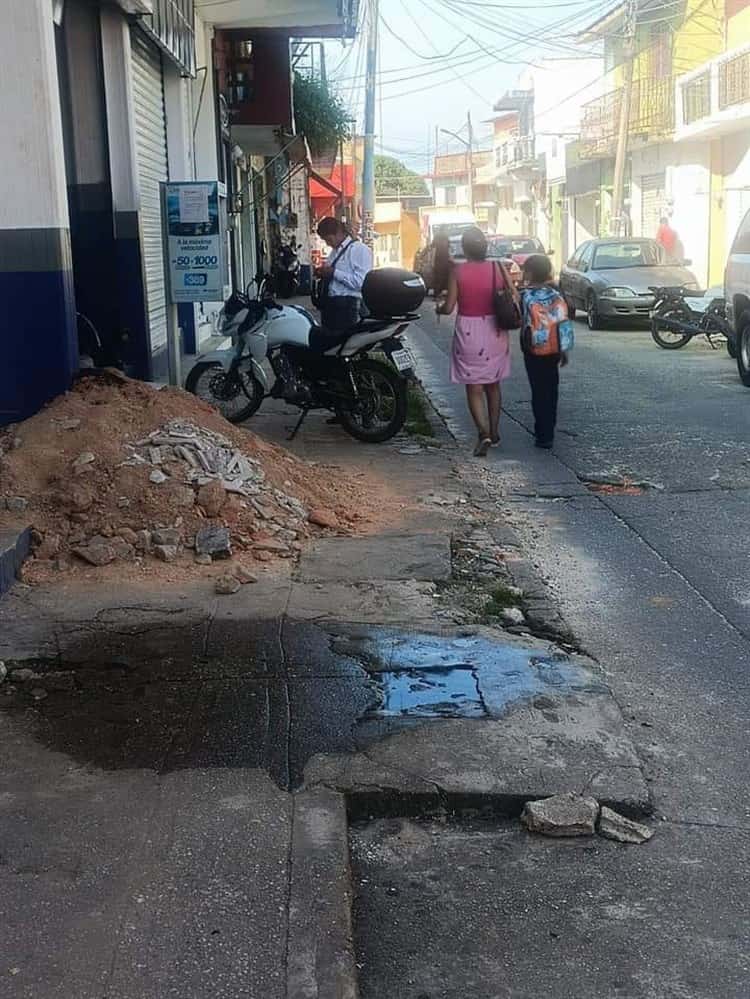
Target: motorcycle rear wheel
380	410
666	339
236	400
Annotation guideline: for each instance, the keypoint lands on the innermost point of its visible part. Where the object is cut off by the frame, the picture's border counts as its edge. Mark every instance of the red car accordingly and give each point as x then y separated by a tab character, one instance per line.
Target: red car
518	248
495	251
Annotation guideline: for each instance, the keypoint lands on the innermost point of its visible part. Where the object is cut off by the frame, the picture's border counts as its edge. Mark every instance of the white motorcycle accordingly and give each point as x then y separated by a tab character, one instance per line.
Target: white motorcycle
313	368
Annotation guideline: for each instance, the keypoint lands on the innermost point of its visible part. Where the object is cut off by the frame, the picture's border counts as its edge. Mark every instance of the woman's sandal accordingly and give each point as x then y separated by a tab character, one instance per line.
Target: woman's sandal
483	446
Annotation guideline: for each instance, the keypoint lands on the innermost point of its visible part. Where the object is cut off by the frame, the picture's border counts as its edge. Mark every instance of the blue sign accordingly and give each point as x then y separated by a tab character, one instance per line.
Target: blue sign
194	241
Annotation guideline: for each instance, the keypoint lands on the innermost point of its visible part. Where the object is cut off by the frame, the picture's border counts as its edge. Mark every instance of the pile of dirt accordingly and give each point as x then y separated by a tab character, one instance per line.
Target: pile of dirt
116	471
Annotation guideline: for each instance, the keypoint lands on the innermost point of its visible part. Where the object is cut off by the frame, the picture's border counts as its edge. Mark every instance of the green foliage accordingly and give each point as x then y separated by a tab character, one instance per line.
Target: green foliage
394	179
319	114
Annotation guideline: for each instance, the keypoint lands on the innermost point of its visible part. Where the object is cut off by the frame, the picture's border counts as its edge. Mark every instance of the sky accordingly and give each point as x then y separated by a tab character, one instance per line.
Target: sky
440	59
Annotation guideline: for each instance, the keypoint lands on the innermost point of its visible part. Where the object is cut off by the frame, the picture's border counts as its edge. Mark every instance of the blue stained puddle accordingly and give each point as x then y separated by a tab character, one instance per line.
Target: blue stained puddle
432	676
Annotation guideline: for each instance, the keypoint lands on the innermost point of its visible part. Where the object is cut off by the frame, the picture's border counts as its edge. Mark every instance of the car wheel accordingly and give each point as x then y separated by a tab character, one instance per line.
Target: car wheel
592	314
743	349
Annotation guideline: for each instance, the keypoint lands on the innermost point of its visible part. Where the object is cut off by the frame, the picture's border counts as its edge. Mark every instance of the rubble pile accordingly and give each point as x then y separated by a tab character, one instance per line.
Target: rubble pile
122	473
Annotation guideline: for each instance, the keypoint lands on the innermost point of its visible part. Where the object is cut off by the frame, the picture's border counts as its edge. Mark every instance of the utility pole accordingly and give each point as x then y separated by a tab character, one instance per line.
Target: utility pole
368	169
470	160
621	154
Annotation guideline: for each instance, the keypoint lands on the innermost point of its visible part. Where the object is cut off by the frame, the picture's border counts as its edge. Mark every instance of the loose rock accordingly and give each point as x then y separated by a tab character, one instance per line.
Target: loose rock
143	541
16	504
213	541
513	615
323	518
244	575
129	535
274	547
157	477
227	585
166	536
86	458
167	553
561	815
612	825
203	560
212	497
97	552
38	693
80	497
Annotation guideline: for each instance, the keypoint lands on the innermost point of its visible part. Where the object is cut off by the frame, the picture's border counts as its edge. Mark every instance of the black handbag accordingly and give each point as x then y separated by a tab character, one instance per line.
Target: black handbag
505	301
320	286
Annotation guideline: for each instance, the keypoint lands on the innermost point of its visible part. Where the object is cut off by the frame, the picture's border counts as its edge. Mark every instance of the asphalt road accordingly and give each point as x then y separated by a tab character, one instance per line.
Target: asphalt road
657	588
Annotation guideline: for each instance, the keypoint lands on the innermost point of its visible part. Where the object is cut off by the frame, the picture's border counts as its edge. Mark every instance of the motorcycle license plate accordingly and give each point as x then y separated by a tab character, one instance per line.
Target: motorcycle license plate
402	359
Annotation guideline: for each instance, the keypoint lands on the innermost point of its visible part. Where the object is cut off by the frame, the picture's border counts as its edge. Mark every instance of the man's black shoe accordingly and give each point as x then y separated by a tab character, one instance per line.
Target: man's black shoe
544	445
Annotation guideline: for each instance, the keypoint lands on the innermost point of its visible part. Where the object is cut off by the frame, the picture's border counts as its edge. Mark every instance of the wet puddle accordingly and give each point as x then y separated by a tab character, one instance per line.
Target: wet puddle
428	693
253	700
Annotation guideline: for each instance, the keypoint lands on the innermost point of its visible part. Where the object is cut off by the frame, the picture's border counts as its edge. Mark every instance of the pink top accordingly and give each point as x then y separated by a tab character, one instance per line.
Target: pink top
475	287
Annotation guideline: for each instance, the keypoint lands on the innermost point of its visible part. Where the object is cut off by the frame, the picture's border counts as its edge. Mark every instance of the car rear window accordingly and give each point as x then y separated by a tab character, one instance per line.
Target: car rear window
507	247
628	254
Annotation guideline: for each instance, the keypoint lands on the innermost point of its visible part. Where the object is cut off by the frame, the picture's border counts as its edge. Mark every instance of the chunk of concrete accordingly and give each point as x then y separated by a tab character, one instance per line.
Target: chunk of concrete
562	815
213	541
612	825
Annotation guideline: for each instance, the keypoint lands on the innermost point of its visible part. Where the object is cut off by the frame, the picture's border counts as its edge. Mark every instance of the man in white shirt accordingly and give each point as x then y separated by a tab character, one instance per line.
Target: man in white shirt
343	275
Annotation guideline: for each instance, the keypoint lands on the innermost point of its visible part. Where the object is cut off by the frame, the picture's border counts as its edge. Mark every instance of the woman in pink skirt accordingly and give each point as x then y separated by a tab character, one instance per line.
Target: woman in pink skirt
481	353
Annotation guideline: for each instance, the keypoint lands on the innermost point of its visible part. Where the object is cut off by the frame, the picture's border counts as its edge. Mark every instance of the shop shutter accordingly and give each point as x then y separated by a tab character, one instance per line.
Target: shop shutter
151	156
652	203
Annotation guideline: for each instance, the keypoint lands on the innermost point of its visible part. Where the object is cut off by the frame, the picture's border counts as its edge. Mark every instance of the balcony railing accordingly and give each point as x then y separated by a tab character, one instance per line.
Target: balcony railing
515	153
734	81
651	115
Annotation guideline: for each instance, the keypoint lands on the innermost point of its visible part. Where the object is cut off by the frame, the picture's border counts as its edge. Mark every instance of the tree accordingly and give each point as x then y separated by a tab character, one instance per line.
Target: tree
319	114
392	178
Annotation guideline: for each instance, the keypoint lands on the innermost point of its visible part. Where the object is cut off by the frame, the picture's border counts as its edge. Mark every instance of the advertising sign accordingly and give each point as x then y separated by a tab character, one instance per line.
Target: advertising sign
194	242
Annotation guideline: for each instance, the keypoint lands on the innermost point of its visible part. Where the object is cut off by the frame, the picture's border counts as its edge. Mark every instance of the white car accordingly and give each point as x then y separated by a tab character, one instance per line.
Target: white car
737	295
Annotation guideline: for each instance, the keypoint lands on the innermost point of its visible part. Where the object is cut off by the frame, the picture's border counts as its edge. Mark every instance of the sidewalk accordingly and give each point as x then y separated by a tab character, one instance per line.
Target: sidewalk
179	766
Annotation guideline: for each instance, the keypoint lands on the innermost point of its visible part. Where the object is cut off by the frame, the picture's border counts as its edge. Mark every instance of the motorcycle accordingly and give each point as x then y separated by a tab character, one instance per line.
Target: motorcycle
287	271
674	322
312	368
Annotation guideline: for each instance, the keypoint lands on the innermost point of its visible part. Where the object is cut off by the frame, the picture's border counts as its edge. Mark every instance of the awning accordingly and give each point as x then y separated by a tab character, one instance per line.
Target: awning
322	188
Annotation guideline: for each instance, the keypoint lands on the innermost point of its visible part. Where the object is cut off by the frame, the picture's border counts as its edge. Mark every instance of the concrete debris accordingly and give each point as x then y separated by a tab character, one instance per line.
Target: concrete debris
226	585
157	477
16	504
513	615
561	815
203	560
612	825
213	541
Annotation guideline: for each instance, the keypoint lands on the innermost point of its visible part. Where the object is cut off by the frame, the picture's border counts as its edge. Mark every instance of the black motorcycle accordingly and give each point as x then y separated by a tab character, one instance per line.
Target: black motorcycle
286	273
674	323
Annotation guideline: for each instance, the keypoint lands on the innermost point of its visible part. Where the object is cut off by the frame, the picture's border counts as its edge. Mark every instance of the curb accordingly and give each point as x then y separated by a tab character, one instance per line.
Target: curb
320	949
14	550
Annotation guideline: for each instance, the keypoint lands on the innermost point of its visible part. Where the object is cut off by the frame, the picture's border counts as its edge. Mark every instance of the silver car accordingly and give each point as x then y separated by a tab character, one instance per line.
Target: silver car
737	295
611	279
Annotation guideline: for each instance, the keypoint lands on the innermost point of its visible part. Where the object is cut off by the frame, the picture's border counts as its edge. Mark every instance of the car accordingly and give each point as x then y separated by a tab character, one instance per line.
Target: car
612	279
517	248
737	296
494	249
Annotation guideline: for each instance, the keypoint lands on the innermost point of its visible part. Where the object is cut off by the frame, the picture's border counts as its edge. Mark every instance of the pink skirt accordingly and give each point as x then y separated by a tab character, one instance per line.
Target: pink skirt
481	353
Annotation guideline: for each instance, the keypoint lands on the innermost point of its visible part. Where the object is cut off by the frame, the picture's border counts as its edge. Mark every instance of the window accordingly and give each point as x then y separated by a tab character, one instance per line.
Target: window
507	246
585	255
172	24
450	195
643	253
742	239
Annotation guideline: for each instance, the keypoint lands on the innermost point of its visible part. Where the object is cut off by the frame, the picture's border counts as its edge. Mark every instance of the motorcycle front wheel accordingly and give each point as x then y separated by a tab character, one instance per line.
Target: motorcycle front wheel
379	410
667	339
235	393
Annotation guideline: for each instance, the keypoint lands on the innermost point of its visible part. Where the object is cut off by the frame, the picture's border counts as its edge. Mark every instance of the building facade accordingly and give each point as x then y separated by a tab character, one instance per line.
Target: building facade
126	95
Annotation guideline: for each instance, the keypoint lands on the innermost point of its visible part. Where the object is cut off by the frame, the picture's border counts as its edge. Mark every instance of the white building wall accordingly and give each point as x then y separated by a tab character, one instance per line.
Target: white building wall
687	188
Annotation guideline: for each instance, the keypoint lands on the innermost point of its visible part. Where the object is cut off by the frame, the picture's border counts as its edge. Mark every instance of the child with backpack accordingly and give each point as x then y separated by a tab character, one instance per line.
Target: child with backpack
546	338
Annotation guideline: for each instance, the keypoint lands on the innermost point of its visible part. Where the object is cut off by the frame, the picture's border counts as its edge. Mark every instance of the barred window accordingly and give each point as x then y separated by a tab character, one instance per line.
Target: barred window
172	25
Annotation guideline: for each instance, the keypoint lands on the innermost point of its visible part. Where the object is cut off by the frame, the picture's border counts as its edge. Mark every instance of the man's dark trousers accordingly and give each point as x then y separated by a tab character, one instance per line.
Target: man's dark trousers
340	312
544	378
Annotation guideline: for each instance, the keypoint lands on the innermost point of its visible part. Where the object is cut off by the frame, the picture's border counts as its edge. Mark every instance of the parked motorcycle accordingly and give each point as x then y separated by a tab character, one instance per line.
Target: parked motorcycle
674	322
314	369
286	277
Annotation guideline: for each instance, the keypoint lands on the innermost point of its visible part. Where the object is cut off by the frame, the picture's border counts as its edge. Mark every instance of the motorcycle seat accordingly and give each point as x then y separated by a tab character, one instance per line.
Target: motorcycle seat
323	341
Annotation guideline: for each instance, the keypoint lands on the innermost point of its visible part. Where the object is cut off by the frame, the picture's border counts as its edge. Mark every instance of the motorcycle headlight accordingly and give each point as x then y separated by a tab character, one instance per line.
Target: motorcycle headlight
618	293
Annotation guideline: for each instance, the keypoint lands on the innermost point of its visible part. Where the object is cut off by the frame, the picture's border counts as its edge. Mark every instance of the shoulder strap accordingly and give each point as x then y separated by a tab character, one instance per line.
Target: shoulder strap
506	277
341	252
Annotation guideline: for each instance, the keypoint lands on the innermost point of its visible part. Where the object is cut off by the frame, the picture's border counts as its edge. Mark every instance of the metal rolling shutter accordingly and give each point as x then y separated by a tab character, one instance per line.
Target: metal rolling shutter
151	155
652	203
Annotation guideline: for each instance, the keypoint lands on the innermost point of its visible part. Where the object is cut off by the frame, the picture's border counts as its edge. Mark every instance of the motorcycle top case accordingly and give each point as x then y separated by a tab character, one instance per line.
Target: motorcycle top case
390	292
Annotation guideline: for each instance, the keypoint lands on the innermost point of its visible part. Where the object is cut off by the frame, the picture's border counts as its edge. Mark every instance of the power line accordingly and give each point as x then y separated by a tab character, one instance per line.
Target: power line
413	51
